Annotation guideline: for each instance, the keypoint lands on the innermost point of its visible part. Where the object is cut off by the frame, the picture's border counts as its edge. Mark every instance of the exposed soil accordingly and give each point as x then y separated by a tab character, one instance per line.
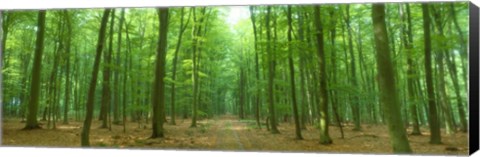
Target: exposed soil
227	133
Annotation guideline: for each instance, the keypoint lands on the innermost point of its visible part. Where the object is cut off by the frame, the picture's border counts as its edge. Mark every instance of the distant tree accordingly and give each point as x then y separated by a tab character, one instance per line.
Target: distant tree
68	43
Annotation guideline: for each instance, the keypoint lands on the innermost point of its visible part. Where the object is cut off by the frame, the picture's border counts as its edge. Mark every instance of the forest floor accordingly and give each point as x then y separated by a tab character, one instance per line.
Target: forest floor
227	133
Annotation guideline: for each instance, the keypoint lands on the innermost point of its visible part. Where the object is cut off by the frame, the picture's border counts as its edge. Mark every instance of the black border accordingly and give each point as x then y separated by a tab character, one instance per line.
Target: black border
473	82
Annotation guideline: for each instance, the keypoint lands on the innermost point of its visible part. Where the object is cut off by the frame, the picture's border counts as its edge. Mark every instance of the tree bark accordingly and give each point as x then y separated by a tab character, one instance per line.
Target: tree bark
407	37
67	72
32	122
93	82
183	27
334	94
271	76
386	83
435	137
298	131
323	95
353	78
116	103
106	95
257	69
158	97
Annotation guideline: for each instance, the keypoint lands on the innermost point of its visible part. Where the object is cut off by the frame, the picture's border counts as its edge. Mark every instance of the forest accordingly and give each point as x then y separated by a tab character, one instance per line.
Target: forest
354	78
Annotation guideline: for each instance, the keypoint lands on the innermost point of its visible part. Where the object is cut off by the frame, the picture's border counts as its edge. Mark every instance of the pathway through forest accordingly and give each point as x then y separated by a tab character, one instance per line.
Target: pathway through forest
227	136
224	133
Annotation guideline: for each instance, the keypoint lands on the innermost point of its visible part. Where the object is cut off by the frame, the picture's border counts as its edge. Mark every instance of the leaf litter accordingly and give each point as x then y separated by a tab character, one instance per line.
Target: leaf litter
229	133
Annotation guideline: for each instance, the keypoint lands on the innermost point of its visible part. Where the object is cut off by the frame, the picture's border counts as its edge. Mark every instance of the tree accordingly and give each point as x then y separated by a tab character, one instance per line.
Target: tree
407	37
435	137
298	131
333	62
32	122
2	45
106	95
93	82
257	68
183	27
271	76
353	78
197	30
386	82
323	105
158	96
67	68
116	103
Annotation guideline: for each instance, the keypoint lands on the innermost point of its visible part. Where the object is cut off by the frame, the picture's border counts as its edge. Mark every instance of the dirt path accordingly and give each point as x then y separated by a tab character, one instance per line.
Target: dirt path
226	133
227	136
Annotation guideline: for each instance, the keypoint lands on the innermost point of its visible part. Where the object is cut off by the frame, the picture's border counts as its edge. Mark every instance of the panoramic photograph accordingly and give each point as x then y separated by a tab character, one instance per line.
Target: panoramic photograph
383	78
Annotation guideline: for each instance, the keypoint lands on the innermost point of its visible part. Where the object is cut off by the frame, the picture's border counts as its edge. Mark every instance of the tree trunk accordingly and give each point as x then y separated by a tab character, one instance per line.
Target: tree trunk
463	43
271	76
323	95
334	95
93	82
67	72
453	75
32	122
257	69
196	34
435	137
126	68
158	96
116	103
106	95
386	83
298	131
353	78
183	27
408	44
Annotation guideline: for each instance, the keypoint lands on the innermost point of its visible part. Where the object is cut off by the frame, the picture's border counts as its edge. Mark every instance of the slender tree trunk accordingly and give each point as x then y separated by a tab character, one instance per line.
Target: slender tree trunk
32	122
257	69
298	131
93	82
106	94
126	68
271	76
158	97
386	83
445	103
304	97
116	103
323	95
435	137
196	34
463	43
183	27
353	77
333	59
67	72
408	44
453	75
